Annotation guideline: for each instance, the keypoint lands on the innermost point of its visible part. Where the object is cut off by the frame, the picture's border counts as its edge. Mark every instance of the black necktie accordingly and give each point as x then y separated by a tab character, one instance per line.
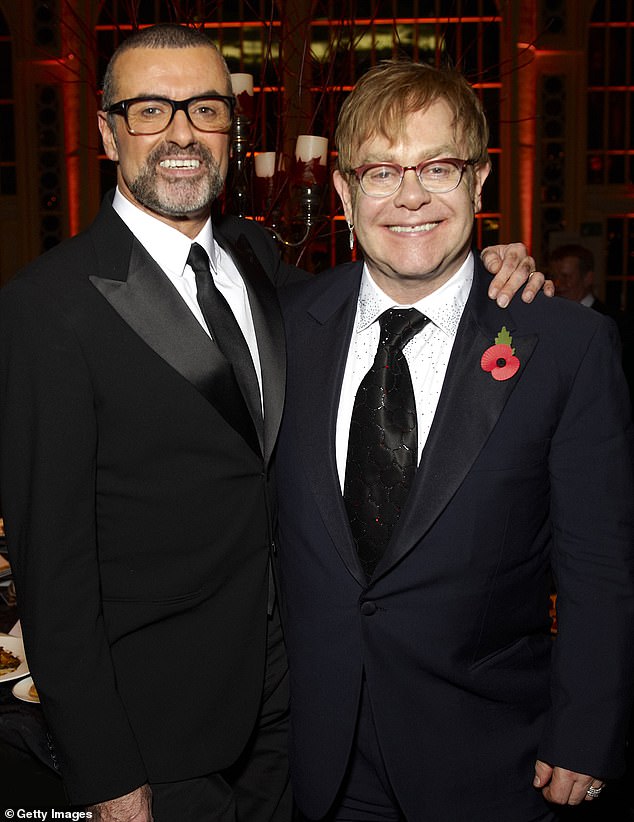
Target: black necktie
225	330
383	443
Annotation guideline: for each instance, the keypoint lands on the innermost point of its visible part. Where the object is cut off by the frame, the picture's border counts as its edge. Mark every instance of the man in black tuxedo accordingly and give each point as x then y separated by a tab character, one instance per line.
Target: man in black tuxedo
138	425
438	461
136	476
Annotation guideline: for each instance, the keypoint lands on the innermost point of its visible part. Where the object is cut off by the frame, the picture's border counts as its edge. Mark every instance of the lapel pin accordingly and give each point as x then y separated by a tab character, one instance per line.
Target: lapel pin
499	359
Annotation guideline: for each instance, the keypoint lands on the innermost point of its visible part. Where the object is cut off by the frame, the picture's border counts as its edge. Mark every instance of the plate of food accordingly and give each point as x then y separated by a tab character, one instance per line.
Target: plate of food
12	659
25	690
5	567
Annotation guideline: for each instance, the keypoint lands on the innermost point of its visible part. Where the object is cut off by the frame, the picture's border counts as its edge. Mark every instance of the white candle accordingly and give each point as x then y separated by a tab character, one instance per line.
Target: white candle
265	164
242	82
309	147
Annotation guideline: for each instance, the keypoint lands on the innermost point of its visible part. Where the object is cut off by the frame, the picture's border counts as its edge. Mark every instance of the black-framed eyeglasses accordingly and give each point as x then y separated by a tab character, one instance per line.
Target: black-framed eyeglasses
151	115
436	176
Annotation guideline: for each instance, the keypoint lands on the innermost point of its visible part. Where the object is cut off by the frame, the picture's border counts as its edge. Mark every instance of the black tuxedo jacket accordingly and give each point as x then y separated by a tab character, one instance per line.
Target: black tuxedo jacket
519	479
137	510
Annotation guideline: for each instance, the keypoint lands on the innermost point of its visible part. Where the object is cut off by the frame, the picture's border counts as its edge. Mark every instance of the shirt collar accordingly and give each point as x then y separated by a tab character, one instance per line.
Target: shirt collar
444	307
166	245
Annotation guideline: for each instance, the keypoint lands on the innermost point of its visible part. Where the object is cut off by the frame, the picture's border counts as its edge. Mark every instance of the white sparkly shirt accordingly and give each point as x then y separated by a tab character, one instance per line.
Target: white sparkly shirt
427	353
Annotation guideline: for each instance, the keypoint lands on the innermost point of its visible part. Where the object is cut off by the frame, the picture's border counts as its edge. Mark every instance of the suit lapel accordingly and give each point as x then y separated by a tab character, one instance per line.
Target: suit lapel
469	407
145	298
330	321
269	330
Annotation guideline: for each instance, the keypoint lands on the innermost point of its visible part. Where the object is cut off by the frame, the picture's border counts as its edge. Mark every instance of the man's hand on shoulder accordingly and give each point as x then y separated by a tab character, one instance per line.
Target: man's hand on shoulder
513	267
564	787
135	806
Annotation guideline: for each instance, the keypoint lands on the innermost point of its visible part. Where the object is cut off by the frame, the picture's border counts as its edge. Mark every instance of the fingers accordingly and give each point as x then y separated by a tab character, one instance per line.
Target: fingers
135	806
564	787
594	790
543	774
512	267
493	257
535	282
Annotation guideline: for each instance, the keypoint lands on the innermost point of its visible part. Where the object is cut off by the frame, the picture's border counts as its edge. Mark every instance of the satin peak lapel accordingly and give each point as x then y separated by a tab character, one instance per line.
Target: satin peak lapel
269	330
330	322
152	307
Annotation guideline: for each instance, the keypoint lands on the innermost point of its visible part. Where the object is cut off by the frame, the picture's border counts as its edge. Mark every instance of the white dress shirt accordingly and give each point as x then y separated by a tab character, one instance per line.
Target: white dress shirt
169	248
427	354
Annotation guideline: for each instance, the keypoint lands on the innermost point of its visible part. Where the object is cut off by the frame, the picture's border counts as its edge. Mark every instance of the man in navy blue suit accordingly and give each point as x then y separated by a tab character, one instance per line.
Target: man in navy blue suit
425	685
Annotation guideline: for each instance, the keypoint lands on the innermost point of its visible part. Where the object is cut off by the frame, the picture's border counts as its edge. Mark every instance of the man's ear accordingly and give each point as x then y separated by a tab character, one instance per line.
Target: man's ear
480	174
345	195
108	137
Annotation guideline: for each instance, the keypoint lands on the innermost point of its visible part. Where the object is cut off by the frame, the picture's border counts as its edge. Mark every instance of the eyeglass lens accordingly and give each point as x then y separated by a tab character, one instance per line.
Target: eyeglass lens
381	180
153	116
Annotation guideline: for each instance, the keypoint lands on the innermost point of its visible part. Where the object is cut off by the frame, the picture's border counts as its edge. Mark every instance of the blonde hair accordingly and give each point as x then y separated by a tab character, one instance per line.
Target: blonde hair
382	98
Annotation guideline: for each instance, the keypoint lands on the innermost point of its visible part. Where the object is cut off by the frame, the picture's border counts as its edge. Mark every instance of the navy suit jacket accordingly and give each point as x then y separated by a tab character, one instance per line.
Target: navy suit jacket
137	507
520	480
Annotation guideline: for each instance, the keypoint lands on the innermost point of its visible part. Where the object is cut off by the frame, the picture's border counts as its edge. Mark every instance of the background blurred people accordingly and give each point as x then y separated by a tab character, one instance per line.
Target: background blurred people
572	268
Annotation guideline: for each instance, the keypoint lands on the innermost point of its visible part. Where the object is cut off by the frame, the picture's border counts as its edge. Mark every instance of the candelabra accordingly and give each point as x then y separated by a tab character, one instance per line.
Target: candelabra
239	185
286	196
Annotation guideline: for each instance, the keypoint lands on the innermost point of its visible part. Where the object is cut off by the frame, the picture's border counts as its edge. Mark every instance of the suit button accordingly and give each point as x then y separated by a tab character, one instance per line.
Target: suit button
368	608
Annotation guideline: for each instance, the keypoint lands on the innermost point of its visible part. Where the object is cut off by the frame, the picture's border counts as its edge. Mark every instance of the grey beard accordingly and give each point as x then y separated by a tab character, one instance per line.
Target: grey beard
182	197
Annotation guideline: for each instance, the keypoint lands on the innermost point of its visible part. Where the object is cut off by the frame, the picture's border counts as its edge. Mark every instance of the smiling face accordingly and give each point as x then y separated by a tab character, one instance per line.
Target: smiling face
413	241
177	174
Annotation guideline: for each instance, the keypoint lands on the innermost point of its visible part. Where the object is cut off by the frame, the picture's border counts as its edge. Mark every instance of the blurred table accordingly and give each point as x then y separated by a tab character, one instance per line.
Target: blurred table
28	780
8	609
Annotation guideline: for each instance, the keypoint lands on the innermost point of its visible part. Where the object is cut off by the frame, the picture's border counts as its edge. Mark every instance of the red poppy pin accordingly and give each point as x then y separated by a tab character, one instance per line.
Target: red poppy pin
500	359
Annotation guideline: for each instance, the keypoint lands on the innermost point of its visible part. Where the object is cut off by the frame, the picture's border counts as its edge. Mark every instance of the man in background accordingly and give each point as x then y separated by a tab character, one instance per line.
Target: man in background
571	266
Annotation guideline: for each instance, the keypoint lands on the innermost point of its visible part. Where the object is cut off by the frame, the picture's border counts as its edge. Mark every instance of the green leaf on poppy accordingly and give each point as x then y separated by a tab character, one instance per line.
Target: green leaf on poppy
504	338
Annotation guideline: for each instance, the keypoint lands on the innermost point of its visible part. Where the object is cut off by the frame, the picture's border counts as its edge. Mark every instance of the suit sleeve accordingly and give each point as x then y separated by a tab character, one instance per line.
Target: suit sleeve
592	499
48	447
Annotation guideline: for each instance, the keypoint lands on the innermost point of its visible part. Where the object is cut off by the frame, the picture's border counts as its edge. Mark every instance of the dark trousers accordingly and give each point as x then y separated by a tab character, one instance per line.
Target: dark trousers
256	788
366	794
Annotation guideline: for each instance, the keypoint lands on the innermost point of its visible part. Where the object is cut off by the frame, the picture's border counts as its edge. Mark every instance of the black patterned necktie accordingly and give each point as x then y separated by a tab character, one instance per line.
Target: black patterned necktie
383	442
225	330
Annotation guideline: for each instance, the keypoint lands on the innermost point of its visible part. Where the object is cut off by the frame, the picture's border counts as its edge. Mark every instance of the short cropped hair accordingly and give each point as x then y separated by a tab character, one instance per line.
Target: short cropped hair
583	255
393	89
161	36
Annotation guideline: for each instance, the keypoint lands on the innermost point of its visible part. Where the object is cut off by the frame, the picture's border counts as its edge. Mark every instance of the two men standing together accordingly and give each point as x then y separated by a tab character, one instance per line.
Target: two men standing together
140	502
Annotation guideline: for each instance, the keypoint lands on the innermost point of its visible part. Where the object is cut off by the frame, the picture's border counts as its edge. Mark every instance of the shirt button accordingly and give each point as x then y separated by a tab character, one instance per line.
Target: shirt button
368	608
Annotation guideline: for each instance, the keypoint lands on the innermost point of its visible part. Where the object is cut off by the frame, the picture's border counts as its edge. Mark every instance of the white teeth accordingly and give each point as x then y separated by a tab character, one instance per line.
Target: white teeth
412	229
179	163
